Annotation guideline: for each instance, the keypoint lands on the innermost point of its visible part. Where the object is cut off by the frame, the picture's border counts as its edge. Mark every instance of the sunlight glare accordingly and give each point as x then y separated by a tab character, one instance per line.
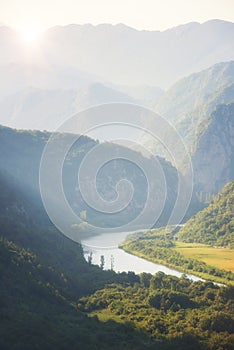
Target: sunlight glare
30	37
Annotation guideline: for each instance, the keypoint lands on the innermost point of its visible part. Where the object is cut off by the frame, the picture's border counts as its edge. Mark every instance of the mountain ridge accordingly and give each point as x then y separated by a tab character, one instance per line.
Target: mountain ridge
126	26
126	56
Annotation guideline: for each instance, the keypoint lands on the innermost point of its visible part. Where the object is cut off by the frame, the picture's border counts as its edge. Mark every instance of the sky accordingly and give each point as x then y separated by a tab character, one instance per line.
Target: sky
38	15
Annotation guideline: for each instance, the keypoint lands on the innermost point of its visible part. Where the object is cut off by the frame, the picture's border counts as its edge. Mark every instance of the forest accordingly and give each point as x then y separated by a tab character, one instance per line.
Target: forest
182	313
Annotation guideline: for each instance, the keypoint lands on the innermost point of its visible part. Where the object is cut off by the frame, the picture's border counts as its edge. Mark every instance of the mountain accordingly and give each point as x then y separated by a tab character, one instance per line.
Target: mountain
125	56
213	157
18	76
189	103
33	108
43	109
20	157
43	274
109	63
143	94
192	107
215	224
31	232
198	93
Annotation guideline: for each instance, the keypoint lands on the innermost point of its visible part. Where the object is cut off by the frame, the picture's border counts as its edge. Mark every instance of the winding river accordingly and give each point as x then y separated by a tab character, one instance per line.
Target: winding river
107	245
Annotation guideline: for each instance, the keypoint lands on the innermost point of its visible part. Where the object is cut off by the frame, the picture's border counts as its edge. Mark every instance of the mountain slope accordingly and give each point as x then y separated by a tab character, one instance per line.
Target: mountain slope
52	255
192	106
43	274
21	155
43	109
213	157
196	91
190	102
215	224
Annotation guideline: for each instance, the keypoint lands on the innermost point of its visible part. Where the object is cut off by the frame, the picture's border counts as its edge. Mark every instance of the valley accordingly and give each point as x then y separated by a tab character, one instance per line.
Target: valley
117	177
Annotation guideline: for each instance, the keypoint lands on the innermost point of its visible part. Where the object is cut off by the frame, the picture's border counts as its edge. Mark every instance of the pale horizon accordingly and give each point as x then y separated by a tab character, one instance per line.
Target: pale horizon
115	24
152	15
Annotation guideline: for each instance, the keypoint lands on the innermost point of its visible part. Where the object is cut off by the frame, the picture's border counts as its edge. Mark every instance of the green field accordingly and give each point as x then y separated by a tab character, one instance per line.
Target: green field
222	258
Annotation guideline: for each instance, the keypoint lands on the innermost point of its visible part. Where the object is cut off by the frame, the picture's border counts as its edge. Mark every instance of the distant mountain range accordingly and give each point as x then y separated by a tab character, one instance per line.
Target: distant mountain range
125	56
78	66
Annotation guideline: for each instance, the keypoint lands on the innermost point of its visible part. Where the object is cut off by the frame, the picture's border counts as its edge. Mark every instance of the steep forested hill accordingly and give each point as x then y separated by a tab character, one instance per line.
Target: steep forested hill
215	224
42	275
21	153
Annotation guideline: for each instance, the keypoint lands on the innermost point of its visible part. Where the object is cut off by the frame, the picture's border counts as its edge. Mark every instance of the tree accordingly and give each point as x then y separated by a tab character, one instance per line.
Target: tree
102	262
112	262
145	279
90	258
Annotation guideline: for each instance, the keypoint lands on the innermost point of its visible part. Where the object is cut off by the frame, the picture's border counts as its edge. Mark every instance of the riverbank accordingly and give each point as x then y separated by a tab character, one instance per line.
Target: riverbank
168	256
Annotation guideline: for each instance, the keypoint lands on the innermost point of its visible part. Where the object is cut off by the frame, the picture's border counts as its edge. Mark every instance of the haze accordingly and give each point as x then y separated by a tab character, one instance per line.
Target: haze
35	16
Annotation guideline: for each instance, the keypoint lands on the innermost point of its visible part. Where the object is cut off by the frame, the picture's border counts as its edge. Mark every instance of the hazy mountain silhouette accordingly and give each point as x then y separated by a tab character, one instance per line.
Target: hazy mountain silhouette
126	56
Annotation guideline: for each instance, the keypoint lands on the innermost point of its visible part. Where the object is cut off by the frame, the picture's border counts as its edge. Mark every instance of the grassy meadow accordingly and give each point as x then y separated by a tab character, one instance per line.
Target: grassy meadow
222	258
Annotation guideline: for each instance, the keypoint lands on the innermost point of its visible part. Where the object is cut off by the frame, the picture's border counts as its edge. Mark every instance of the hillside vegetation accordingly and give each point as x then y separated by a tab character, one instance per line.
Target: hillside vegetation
43	274
213	225
212	228
20	157
51	297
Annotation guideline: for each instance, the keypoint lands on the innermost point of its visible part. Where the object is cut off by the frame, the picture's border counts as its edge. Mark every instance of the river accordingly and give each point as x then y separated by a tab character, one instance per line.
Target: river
107	245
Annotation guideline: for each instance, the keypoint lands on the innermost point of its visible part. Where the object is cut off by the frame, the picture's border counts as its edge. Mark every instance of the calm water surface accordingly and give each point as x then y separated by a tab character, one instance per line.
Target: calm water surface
107	245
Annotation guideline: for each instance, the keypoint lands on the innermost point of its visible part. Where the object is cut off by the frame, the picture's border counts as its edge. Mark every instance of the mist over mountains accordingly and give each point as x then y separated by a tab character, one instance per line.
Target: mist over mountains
125	56
74	67
183	73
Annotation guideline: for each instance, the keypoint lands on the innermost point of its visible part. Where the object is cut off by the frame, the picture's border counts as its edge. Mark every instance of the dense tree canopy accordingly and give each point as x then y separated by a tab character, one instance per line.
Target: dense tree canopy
215	224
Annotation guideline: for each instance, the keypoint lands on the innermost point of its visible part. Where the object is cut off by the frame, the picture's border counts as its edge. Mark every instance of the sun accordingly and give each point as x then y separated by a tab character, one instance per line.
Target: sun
30	37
